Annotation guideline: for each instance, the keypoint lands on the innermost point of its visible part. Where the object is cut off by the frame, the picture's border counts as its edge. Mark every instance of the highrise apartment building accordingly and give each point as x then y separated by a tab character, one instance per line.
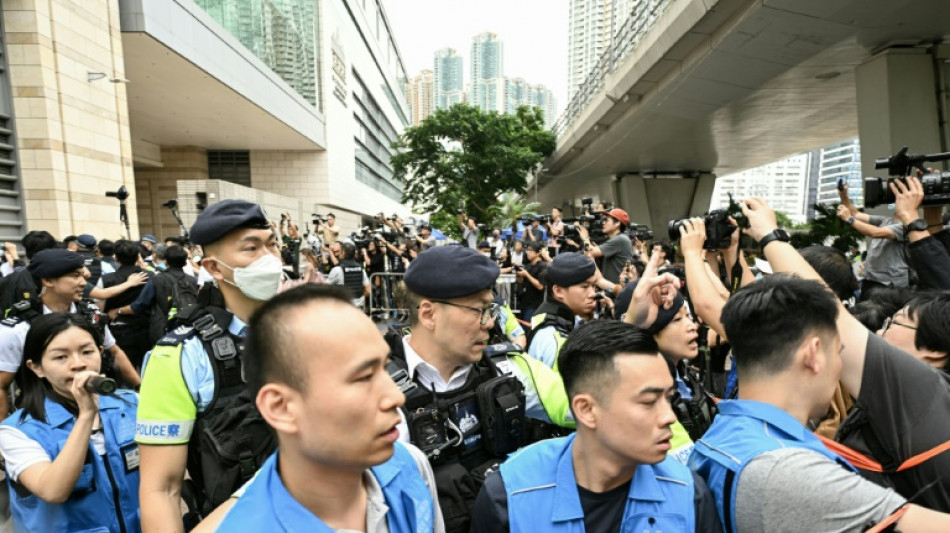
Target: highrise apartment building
449	86
840	161
487	92
420	96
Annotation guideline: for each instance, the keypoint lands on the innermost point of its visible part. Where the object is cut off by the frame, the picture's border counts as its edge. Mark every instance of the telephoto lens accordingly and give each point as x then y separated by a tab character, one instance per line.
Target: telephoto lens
101	385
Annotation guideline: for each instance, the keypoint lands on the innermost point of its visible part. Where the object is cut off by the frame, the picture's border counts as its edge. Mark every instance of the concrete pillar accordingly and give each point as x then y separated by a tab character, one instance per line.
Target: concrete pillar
656	201
897	106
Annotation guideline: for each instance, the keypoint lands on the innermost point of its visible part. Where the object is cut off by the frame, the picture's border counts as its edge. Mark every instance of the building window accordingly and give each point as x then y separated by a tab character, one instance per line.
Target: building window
374	136
230	165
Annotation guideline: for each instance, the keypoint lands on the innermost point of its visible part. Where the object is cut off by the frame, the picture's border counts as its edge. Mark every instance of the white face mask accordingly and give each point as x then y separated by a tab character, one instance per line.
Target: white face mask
260	280
486	254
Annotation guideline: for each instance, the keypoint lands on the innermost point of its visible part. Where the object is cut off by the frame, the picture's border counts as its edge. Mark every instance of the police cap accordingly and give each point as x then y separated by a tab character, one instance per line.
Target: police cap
447	272
219	219
86	241
570	268
54	263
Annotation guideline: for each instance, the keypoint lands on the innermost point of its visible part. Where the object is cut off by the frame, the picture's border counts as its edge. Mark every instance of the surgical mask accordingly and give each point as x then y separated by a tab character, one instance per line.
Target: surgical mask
196	259
486	254
260	280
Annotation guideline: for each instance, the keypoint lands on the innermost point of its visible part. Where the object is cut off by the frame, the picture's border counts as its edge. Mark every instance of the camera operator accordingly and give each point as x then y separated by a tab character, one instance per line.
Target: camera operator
927	255
555	227
350	274
496	242
328	230
290	237
886	264
425	239
617	249
469	230
533	231
531	280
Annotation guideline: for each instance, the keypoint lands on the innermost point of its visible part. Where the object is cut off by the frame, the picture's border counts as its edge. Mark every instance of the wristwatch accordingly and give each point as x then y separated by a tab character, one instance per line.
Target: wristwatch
777	234
850	221
917	225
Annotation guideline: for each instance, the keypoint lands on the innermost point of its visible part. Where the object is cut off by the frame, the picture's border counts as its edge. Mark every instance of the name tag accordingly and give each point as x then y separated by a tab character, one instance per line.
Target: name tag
131	455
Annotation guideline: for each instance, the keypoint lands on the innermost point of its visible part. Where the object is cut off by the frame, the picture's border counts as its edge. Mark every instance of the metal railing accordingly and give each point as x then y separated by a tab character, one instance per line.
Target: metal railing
390	303
642	18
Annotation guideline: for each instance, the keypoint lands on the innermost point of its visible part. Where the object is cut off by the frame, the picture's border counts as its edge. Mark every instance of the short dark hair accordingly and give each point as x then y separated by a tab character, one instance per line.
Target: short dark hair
126	252
70	239
175	241
270	355
871	314
933	330
767	320
176	257
349	250
37	241
586	360
106	248
834	268
331	215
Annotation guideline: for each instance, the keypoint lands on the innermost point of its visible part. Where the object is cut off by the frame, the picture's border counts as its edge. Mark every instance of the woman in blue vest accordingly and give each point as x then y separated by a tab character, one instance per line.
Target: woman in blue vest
71	461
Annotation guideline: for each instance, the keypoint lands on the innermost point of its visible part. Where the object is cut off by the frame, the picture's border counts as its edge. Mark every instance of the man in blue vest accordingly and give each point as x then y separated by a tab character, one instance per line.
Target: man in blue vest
329	398
613	474
767	470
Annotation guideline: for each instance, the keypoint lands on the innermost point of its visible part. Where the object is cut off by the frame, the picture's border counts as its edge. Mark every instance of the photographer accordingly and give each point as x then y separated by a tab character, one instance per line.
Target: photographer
496	242
328	230
517	253
425	239
533	232
530	279
555	227
292	240
617	249
469	230
886	264
927	254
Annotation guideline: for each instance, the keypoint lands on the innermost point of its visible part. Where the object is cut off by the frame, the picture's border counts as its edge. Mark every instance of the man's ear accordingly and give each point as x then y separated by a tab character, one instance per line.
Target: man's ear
427	314
586	410
280	406
811	356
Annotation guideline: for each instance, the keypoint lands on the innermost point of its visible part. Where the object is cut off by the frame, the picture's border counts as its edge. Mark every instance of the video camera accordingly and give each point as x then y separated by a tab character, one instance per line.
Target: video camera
877	191
121	195
640	232
318	219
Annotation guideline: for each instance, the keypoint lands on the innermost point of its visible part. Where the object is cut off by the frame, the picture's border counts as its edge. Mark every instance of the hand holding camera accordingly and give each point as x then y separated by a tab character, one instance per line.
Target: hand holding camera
761	218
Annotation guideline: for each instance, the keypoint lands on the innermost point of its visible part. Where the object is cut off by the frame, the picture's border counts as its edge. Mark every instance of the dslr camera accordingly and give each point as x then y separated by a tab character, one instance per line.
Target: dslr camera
718	229
640	232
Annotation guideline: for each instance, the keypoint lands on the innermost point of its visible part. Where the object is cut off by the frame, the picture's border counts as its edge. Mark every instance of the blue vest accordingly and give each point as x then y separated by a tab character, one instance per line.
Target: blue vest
267	506
743	430
542	492
102	484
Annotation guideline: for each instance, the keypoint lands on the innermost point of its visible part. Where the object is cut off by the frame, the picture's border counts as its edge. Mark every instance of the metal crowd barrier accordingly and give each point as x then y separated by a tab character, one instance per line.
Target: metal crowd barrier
390	303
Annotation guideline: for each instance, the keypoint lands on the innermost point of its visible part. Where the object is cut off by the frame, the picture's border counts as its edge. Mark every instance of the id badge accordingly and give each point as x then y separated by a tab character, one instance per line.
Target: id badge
130	454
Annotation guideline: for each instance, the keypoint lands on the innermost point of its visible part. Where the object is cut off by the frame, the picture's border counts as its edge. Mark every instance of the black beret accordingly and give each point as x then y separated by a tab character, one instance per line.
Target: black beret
54	263
570	269
219	219
447	272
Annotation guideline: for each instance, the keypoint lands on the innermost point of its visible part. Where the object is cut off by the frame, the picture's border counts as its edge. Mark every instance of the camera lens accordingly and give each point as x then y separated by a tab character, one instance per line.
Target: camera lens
673	229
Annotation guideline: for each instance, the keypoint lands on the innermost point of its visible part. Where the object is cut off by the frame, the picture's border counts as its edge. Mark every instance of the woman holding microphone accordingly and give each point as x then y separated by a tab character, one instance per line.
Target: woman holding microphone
71	458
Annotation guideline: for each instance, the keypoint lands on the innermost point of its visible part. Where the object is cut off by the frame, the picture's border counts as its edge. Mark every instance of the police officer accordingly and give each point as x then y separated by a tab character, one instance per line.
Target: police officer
350	274
96	266
192	380
335	412
60	274
569	298
455	381
613	474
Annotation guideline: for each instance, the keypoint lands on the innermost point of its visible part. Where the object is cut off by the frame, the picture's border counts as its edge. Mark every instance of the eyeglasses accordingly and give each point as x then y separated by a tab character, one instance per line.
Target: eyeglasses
485	313
890	320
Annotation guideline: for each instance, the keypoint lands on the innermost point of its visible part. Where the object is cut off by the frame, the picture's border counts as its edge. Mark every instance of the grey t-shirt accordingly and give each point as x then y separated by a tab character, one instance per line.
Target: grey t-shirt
887	259
470	236
617	251
794	490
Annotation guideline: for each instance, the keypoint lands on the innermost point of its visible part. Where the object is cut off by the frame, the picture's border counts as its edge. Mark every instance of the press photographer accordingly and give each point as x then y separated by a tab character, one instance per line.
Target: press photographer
617	250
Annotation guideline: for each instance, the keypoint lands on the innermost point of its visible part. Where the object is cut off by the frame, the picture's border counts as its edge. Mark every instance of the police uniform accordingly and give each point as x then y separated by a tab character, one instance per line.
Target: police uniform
553	321
447	420
51	263
180	390
97	267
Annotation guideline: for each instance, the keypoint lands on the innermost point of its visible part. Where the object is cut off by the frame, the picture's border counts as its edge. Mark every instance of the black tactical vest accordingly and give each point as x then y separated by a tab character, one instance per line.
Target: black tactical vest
352	277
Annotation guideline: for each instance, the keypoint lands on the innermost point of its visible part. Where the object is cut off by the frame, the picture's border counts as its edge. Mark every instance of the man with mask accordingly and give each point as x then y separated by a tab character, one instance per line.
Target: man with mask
569	298
496	243
193	385
485	248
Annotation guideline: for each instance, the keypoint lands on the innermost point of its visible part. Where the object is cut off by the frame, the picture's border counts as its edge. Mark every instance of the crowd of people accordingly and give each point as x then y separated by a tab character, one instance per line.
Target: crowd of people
230	381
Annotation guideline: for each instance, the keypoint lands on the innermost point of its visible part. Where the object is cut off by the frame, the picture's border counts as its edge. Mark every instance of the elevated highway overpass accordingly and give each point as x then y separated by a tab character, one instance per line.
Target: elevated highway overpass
692	89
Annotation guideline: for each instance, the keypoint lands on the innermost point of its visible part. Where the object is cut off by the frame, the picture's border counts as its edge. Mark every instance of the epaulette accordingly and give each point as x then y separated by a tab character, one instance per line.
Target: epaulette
11	321
177	336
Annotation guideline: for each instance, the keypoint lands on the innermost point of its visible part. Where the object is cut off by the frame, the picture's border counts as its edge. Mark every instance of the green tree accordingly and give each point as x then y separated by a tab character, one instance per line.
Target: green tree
828	227
464	158
510	208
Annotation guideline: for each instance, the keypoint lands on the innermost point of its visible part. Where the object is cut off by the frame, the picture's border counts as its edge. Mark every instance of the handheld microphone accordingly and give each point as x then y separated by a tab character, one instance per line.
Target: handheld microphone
101	385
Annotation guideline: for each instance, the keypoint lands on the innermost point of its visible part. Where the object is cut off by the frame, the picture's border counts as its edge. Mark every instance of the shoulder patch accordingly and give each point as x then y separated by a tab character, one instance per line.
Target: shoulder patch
12	321
176	336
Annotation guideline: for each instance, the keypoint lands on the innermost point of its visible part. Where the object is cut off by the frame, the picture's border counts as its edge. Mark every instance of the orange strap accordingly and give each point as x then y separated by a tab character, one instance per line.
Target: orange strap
859	460
881	526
